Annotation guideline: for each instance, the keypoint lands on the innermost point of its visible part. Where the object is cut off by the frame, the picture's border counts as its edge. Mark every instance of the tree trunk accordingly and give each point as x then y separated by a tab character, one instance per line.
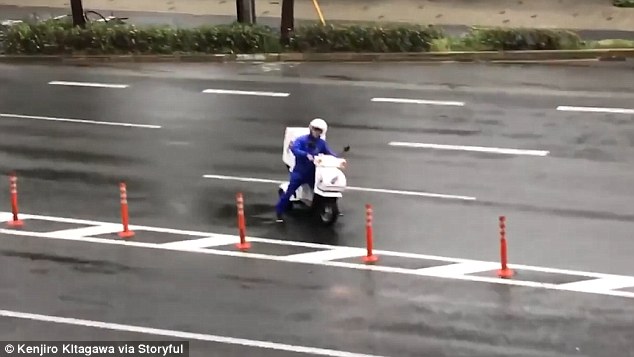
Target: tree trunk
246	11
77	9
253	18
288	21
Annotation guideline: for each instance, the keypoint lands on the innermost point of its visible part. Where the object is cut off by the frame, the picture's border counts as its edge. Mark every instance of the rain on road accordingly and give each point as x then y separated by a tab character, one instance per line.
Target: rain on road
439	151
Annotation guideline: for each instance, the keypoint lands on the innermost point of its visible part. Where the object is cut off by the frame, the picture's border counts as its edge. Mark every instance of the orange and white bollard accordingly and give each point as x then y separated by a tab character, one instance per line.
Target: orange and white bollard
243	245
126	233
505	272
15	222
370	257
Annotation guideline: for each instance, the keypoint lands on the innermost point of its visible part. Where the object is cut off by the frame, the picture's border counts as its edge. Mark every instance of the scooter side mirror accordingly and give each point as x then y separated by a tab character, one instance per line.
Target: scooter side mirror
346	149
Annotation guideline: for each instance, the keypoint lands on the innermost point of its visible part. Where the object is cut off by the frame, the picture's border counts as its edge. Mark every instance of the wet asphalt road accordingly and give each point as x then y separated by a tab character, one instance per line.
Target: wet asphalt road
576	199
571	209
326	307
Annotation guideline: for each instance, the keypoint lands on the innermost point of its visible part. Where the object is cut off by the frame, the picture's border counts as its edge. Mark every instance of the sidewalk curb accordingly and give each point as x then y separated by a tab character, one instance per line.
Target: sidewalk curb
485	56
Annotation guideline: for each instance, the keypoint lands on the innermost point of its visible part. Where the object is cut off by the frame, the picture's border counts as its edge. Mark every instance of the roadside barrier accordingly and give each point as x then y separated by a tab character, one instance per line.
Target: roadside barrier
13	183
370	257
243	245
126	233
505	272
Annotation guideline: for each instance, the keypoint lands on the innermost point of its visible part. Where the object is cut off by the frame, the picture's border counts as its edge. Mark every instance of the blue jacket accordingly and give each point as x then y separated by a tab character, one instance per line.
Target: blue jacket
304	145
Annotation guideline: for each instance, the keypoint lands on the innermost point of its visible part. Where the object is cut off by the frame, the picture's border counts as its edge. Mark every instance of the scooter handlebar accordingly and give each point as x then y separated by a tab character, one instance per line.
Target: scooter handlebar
330	161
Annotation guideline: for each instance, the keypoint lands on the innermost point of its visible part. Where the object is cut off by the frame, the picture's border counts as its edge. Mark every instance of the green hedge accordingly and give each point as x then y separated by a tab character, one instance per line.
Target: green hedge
60	37
623	3
508	39
357	38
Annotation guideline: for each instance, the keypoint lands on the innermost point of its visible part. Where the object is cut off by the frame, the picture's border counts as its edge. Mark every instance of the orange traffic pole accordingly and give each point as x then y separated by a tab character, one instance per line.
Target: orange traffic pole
370	257
505	272
126	233
16	222
243	245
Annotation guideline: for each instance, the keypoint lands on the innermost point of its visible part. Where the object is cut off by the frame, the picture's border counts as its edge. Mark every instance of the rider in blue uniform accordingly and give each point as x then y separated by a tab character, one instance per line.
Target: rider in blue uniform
305	148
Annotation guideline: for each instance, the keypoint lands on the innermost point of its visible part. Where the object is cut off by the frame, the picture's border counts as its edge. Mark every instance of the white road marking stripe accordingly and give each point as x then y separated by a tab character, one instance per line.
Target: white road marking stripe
452	271
359	266
595	109
19	116
350	188
471	148
460	268
26	216
326	255
601	284
132	226
180	334
88	84
88	231
240	92
285	259
417	101
202	242
243	179
412	193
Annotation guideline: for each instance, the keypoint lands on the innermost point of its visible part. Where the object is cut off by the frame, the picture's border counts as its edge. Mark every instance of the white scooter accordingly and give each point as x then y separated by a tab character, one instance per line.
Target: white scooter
330	181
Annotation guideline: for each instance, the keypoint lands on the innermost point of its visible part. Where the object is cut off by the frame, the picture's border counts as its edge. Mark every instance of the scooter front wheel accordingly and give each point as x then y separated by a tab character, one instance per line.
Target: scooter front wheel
328	212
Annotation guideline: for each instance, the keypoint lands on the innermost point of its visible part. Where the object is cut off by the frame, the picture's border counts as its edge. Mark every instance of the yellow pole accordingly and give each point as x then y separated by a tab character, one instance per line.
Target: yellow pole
321	16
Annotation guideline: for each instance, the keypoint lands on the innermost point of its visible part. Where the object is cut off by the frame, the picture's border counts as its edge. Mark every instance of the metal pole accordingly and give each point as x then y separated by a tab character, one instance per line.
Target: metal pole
77	9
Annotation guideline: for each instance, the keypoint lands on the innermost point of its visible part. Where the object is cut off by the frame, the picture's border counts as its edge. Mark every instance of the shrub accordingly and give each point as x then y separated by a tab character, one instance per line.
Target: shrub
57	37
3	37
507	39
356	38
60	37
623	3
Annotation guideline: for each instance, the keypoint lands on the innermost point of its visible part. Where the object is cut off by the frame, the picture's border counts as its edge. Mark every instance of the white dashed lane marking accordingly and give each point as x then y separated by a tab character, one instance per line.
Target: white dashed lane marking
595	110
78	121
411	193
493	150
88	84
417	101
241	92
349	188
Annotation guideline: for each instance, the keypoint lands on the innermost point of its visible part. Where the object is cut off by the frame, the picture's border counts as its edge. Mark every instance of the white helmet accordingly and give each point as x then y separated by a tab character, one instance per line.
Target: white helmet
319	123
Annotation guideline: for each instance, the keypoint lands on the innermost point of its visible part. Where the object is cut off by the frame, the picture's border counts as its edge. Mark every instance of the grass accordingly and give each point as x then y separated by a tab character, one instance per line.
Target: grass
610	43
